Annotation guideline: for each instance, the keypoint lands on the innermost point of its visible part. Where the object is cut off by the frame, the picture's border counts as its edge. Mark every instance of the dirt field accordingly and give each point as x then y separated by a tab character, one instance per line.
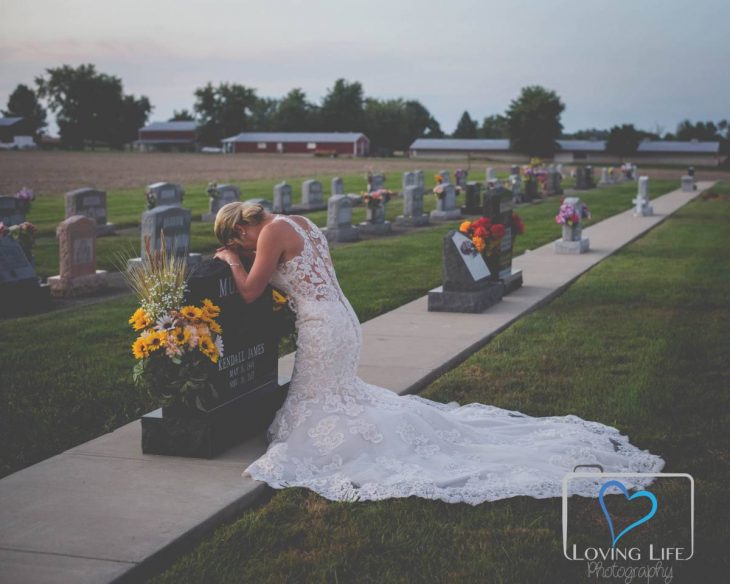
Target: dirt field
50	173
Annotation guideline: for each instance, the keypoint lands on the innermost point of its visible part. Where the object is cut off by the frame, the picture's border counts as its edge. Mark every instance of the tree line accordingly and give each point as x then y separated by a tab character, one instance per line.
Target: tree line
92	109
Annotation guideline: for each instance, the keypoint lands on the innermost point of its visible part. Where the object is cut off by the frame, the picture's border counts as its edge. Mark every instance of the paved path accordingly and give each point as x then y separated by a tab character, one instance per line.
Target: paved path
103	511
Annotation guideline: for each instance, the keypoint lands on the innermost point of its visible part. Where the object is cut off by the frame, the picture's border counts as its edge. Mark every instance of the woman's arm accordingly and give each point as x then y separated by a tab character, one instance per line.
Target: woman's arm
269	248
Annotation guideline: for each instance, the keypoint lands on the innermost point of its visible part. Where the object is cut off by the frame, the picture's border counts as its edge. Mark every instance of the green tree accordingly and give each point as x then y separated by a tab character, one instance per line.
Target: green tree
496	126
589	134
182	116
419	122
466	128
534	121
294	113
91	107
394	124
343	108
224	111
702	131
623	141
23	102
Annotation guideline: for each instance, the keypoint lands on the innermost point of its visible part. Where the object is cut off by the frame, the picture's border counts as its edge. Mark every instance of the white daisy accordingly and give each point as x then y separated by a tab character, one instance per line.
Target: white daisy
219	344
165	323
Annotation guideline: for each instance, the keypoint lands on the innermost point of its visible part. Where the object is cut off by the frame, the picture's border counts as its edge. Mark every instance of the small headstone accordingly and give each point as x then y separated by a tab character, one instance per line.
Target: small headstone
413	214
77	259
445	176
10	212
556	177
573	241
688	184
20	288
338	186
92	204
605	176
339	220
282	198
642	203
221	195
446	209
164	194
472	199
516	184
375	222
265	203
376	182
174	224
467	286
312	195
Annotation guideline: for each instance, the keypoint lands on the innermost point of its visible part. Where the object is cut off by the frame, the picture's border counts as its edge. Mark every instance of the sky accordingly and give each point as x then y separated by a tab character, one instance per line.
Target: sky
651	63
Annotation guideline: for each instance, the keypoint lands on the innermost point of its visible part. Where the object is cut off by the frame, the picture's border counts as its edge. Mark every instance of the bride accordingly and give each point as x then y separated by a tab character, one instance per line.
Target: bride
349	440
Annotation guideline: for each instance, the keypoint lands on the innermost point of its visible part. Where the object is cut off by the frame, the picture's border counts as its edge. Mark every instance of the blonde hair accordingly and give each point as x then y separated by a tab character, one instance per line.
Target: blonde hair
236	213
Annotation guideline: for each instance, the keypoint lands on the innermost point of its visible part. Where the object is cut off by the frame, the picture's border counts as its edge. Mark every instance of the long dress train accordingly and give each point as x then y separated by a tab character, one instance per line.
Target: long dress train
350	440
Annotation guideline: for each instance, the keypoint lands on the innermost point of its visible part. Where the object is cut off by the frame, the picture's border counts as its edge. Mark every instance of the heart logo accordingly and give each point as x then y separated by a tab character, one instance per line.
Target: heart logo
621	487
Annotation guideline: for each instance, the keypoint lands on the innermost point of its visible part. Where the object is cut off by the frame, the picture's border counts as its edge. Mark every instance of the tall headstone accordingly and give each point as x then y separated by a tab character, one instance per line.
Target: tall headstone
472	199
516	184
446	177
20	289
413	215
446	209
420	179
245	377
77	258
498	208
172	224
164	194
573	241
514	169
467	285
581	179
90	203
491	174
605	176
312	195
339	220
338	187
282	198
556	177
10	212
642	203
409	180
222	195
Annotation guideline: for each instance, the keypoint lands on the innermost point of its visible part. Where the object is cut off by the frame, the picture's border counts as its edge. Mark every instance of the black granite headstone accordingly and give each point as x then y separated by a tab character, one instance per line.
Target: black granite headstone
245	377
10	211
20	289
499	208
472	198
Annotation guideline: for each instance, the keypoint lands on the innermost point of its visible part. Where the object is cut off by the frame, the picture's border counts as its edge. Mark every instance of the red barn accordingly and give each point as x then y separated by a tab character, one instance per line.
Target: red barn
168	137
317	143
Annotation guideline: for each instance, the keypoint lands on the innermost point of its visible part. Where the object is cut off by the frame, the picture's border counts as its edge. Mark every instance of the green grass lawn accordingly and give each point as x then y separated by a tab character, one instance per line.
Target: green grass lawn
67	375
639	342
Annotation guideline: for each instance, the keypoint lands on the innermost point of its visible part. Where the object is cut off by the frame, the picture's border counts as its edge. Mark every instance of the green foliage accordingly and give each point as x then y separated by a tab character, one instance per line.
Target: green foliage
466	128
91	107
294	113
394	124
623	141
182	116
23	102
343	108
224	111
494	127
534	121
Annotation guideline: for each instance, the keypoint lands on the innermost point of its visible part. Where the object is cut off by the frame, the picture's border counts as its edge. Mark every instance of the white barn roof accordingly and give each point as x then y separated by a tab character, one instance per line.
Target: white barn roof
681	147
583	145
334	137
9	121
181	126
459	144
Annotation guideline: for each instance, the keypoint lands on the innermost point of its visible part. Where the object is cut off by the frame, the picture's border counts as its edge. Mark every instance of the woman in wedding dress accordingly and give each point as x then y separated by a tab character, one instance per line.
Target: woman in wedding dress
349	440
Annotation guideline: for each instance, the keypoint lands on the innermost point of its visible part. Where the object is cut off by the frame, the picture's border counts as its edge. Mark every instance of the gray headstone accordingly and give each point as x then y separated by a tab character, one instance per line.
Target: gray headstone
164	194
282	198
445	176
312	193
409	179
173	222
420	179
446	208
339	220
226	194
491	174
10	212
88	202
377	181
688	184
265	203
14	265
642	203
338	187
573	241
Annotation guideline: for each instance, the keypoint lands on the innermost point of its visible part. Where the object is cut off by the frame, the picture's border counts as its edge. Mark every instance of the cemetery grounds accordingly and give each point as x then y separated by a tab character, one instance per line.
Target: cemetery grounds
640	366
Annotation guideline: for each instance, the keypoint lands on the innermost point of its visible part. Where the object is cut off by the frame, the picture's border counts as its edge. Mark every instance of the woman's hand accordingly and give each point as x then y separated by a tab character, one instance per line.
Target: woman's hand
227	255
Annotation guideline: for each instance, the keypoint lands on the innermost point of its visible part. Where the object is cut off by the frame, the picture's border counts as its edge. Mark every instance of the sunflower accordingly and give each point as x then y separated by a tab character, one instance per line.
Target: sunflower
210	310
191	313
180	336
140	319
139	349
156	340
214	326
208	348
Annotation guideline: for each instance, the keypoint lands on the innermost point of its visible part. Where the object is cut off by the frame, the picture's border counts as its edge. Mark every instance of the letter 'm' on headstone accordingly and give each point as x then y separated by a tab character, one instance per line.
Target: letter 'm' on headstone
92	204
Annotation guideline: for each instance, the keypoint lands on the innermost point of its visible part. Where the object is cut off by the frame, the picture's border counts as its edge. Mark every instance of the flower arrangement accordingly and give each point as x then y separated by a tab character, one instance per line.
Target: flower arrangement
570	216
485	235
518	225
176	342
25	196
376	198
212	191
460	174
23	233
438	178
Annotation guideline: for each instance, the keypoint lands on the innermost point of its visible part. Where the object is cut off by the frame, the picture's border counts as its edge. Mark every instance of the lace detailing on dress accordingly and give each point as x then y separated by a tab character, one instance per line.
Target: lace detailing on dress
350	440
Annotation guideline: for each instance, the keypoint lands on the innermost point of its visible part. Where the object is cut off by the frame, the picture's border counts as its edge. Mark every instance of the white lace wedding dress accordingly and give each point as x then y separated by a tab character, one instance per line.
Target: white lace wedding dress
349	440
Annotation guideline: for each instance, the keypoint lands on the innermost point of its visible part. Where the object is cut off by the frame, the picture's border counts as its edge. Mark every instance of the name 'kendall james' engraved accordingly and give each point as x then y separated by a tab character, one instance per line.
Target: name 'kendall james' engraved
239	357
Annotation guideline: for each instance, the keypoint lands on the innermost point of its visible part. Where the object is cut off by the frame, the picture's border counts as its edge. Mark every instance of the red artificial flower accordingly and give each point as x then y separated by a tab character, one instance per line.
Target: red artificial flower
480	231
498	231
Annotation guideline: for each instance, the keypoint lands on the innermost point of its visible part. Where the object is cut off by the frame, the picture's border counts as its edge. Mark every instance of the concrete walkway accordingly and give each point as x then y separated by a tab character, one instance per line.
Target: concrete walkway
103	511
